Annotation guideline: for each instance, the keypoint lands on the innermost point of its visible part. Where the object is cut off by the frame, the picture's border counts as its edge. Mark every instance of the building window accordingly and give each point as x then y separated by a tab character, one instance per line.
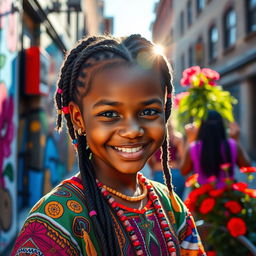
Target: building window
182	63
213	41
199	52
230	28
251	15
190	56
200	4
182	23
189	12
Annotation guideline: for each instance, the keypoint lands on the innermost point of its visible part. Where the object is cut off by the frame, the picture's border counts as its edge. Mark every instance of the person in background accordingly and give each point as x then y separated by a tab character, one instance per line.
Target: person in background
175	156
209	152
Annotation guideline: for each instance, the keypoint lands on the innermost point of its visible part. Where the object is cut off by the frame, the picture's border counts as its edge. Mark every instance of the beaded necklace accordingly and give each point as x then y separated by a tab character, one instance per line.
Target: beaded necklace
128	198
127	225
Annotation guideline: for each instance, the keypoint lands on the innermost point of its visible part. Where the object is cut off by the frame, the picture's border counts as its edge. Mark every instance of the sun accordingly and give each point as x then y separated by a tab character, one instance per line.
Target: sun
159	49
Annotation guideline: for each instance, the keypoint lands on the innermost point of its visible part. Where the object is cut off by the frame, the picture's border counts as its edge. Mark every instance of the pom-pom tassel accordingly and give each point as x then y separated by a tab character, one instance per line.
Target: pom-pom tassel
89	247
175	204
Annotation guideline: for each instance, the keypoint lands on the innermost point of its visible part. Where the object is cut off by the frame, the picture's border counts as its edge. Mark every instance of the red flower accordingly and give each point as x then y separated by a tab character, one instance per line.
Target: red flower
233	207
205	188
207	205
217	192
251	192
240	186
248	169
211	74
193	195
190	204
191	180
236	227
211	253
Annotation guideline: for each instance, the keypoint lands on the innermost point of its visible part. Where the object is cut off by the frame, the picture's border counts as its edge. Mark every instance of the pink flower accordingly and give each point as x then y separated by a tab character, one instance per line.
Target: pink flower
185	82
179	97
194	70
211	74
225	166
211	179
188	75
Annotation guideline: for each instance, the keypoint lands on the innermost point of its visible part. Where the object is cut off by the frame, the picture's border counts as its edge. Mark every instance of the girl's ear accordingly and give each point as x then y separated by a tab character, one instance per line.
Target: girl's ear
76	116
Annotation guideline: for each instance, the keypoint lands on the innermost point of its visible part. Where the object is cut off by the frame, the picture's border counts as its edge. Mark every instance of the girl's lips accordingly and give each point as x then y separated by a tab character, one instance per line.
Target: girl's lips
130	152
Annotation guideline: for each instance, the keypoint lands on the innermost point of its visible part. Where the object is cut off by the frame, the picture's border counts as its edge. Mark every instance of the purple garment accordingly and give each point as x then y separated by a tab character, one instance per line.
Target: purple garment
195	152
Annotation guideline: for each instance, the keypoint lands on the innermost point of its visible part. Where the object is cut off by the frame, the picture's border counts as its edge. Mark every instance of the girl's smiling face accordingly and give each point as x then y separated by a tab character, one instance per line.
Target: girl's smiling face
123	117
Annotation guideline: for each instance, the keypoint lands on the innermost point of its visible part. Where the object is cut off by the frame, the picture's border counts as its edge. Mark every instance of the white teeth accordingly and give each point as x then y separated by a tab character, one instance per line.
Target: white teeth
129	150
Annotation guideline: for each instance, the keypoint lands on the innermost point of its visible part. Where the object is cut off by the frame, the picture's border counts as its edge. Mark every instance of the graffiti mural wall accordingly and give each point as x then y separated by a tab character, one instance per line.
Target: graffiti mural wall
8	121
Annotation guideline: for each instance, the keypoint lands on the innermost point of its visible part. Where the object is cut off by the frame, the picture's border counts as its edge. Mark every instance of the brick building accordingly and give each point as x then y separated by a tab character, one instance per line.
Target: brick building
216	34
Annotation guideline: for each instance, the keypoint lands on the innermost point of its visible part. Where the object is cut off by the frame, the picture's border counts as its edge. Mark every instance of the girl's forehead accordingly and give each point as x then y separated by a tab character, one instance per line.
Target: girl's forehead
127	78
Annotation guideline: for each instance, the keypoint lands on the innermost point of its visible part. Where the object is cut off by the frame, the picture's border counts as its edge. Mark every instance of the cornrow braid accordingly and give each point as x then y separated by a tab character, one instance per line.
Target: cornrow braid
70	57
90	51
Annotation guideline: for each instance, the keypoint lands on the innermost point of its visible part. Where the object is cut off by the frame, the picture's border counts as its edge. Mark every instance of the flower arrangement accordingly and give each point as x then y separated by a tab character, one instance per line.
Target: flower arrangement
203	94
230	212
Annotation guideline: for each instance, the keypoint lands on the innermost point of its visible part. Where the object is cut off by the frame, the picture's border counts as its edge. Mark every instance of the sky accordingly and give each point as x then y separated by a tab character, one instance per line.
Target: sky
131	16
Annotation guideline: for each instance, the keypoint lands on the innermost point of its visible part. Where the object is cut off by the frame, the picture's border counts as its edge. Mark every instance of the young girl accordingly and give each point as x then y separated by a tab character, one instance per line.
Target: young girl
115	95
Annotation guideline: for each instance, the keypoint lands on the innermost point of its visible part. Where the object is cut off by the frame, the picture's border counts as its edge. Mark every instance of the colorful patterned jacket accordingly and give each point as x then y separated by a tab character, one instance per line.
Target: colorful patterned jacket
59	224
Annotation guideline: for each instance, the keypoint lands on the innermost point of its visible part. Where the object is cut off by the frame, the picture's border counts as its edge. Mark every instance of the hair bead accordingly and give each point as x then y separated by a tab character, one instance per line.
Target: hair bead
92	213
59	91
65	110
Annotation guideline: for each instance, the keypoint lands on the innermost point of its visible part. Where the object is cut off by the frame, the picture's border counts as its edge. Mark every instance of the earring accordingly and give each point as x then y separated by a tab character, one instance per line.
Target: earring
80	132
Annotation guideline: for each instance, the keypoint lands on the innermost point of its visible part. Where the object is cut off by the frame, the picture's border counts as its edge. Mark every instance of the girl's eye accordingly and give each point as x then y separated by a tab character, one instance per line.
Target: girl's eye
149	112
109	114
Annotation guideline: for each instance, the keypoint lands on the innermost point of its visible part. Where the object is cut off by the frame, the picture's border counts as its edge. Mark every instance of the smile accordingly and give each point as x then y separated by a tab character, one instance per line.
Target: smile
128	150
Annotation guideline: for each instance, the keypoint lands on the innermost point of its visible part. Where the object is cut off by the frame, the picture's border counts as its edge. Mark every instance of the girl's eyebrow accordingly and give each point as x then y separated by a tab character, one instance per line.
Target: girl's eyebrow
106	102
152	101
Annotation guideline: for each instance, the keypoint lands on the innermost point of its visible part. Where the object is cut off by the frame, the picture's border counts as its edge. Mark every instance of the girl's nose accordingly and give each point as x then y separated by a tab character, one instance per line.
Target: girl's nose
131	130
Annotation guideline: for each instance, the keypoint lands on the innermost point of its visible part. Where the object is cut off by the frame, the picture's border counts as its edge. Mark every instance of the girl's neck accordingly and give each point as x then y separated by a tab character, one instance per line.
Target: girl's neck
124	183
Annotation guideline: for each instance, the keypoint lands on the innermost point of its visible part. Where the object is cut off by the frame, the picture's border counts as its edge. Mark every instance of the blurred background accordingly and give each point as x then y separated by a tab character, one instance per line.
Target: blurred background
34	36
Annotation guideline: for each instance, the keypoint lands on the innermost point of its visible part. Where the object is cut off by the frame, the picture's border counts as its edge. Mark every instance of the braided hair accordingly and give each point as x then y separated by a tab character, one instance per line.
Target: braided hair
80	64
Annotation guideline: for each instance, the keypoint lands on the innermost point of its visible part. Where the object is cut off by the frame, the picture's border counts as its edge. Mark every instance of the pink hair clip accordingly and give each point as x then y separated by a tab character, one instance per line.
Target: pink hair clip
59	91
65	110
169	95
